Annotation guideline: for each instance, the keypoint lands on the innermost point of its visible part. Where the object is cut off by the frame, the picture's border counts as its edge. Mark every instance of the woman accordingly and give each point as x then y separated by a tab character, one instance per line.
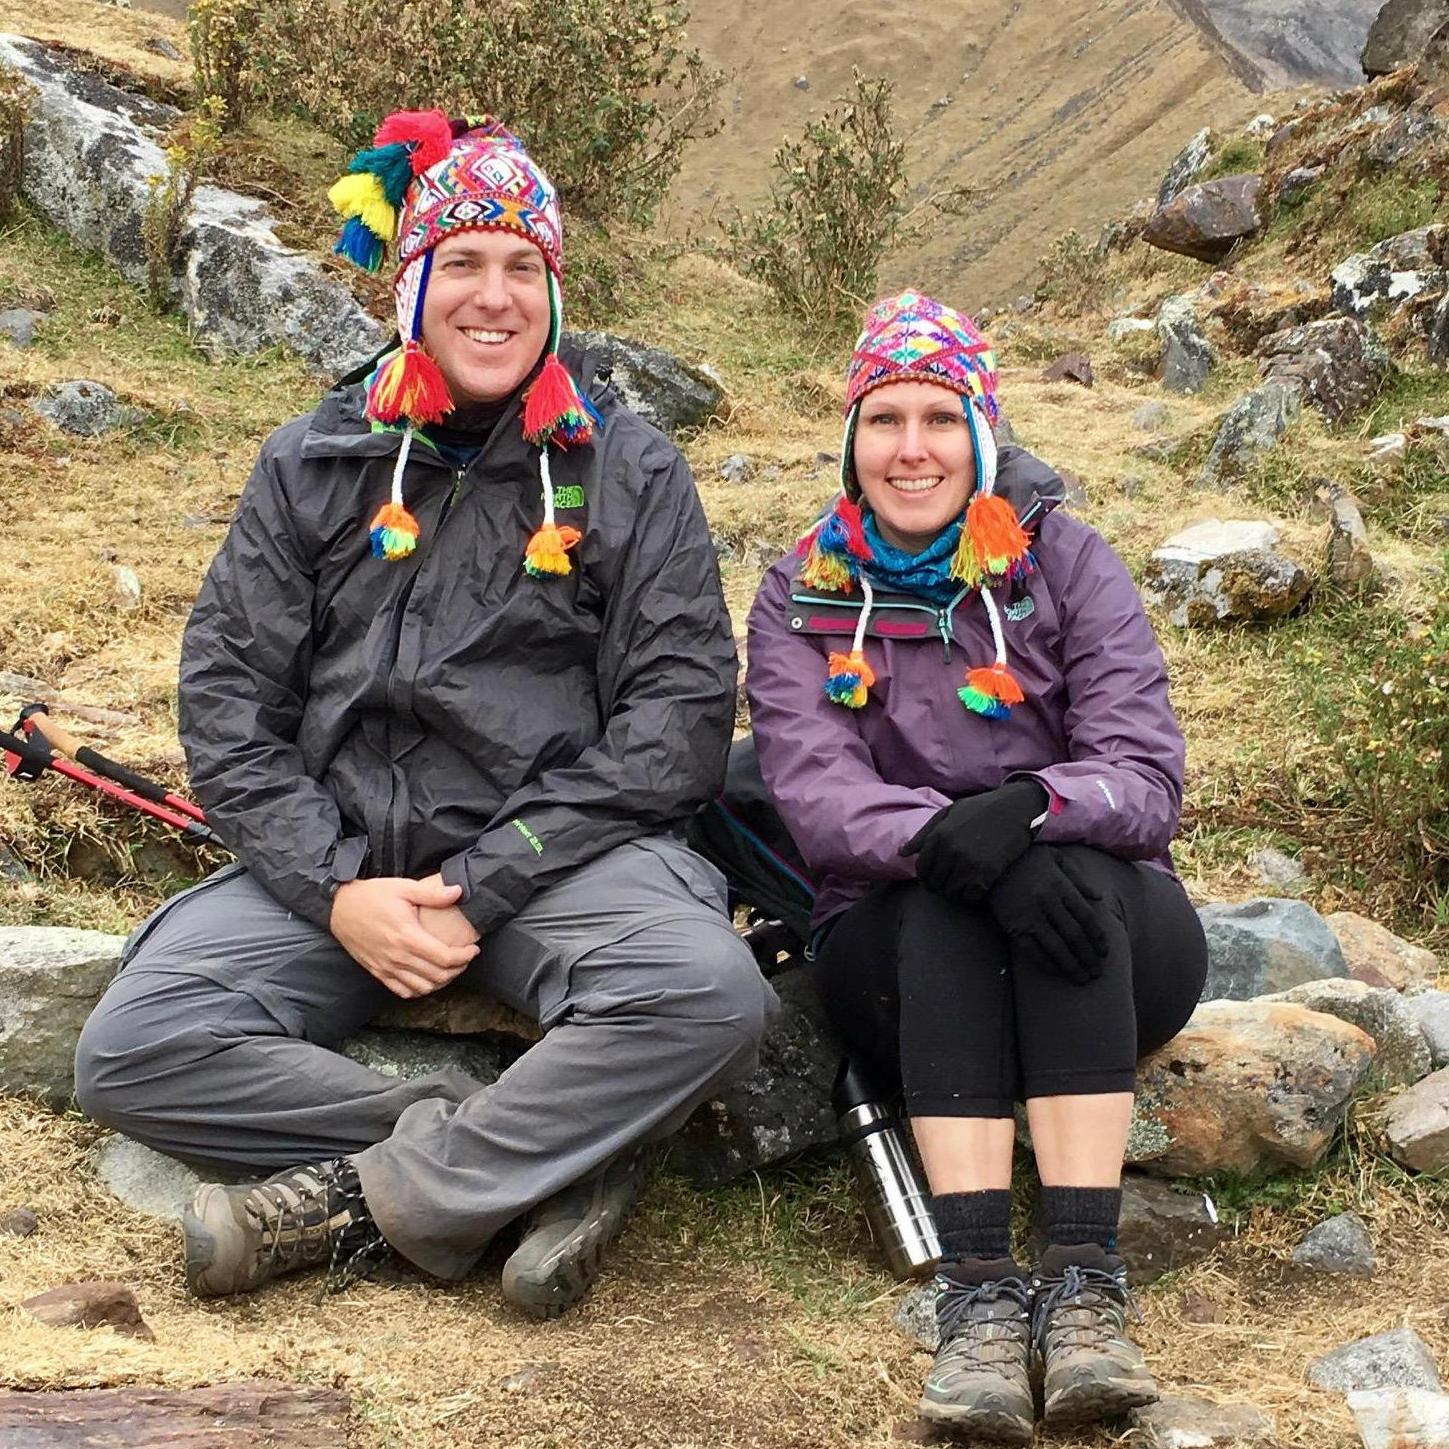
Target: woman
997	917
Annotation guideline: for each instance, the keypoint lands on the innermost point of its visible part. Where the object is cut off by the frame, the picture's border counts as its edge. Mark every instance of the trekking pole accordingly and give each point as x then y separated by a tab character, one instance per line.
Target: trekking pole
33	717
25	759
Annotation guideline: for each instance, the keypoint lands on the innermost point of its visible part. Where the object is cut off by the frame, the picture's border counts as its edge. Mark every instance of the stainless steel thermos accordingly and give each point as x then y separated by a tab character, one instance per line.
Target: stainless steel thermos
897	1200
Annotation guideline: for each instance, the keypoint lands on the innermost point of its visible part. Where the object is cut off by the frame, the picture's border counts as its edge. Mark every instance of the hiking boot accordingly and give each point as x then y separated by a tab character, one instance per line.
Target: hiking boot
555	1264
1091	1369
237	1238
980	1382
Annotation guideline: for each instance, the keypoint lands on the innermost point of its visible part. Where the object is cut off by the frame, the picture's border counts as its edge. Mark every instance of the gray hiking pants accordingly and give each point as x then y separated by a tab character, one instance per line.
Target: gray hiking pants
213	1044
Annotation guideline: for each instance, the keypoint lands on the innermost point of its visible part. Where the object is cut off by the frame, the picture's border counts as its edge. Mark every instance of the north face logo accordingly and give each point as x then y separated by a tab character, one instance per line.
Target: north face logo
1021	609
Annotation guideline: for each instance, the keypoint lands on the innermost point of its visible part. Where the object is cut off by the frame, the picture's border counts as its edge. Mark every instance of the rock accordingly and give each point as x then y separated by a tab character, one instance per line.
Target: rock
18	1223
1182	1423
802	82
1401	34
1401	1418
1162	1230
159	45
413	1054
90	1305
660	388
17	325
126	587
1211	574
1417	1125
1296	185
1274	45
89	149
1151	417
258	1414
1374	954
458	1011
1002	430
1129	485
50	979
1261	127
1246	1086
1338	364
147	1181
736	468
782	1110
1399	1359
1122	327
1338	1245
1275	867
1185	166
1384	278
915	1315
1186	357
1409	133
1249	428
11	866
86	408
1401	1054
1208	220
1350	563
1387	448
1431	1011
1265	945
1437	338
1070	367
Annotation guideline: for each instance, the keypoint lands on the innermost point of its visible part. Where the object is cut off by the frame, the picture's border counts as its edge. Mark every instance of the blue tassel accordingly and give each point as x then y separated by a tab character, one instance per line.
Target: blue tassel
360	245
392	165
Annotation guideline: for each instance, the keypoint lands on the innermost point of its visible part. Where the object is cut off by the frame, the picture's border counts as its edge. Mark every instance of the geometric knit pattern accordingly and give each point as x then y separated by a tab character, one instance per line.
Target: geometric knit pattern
486	183
914	337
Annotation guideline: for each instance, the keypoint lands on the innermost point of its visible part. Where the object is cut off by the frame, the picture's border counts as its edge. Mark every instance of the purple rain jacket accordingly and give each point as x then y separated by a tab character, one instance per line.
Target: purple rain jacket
1096	728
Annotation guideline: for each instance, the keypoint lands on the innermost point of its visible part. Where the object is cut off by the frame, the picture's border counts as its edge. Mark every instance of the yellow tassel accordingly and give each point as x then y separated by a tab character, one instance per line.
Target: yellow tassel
360	194
547	550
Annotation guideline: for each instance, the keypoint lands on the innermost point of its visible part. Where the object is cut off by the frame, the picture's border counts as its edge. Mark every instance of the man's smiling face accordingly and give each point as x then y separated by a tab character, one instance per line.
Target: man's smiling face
485	314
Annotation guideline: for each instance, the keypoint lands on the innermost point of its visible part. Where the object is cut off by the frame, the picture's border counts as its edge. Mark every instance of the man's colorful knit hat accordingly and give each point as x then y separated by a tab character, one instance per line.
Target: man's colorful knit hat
425	178
914	338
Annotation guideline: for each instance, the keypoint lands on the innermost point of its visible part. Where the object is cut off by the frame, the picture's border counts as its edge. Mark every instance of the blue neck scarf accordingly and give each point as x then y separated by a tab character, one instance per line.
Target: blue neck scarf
926	573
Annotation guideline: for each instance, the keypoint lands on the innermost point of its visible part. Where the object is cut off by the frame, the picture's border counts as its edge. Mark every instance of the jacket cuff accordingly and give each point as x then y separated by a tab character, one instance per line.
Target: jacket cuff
483	909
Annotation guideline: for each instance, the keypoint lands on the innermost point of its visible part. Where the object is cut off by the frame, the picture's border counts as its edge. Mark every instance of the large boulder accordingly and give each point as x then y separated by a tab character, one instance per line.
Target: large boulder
89	151
1186	357
50	980
1384	278
1223	573
1401	1418
1377	956
1250	428
1246	1086
1207	220
782	1110
1185	167
1266	945
1401	1053
1401	34
1417	1124
1396	1359
147	1181
1339	364
659	387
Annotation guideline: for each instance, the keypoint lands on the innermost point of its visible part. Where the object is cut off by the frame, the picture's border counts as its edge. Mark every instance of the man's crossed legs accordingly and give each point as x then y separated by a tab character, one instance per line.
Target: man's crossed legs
214	1045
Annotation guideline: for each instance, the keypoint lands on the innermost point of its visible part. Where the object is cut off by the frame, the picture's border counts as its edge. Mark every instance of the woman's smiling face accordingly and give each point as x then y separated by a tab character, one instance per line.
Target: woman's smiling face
914	460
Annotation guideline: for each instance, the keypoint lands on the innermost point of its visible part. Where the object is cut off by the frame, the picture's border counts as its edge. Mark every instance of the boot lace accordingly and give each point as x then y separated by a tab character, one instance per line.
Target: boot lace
1085	1307
979	1329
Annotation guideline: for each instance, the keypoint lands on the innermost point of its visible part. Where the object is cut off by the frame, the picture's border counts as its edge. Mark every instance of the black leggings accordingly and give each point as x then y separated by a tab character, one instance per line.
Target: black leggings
924	996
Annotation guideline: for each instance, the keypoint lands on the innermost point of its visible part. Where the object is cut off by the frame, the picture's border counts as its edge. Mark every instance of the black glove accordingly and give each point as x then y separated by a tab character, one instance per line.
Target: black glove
1053	917
965	847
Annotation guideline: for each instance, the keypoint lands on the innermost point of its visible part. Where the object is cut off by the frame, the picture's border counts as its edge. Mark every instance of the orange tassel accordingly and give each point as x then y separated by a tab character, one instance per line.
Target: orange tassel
848	679
547	551
998	538
394	532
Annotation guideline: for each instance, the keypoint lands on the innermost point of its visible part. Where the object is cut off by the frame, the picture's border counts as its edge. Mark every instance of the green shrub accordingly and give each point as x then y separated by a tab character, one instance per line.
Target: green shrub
1241	156
1072	274
1377	210
193	144
605	97
220	33
17	96
839	201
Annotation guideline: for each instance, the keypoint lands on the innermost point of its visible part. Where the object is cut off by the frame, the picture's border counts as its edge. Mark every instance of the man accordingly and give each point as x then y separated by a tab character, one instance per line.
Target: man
443	749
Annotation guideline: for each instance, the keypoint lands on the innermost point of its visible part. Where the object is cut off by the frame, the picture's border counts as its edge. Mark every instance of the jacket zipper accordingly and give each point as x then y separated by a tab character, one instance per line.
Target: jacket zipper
943	622
390	833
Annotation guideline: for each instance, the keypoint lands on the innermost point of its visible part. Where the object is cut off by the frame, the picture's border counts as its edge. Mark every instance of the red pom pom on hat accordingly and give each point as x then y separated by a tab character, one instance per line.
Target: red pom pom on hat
429	133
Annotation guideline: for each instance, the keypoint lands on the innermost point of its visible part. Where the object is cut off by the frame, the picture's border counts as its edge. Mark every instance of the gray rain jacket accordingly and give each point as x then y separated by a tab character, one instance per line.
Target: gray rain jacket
343	715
